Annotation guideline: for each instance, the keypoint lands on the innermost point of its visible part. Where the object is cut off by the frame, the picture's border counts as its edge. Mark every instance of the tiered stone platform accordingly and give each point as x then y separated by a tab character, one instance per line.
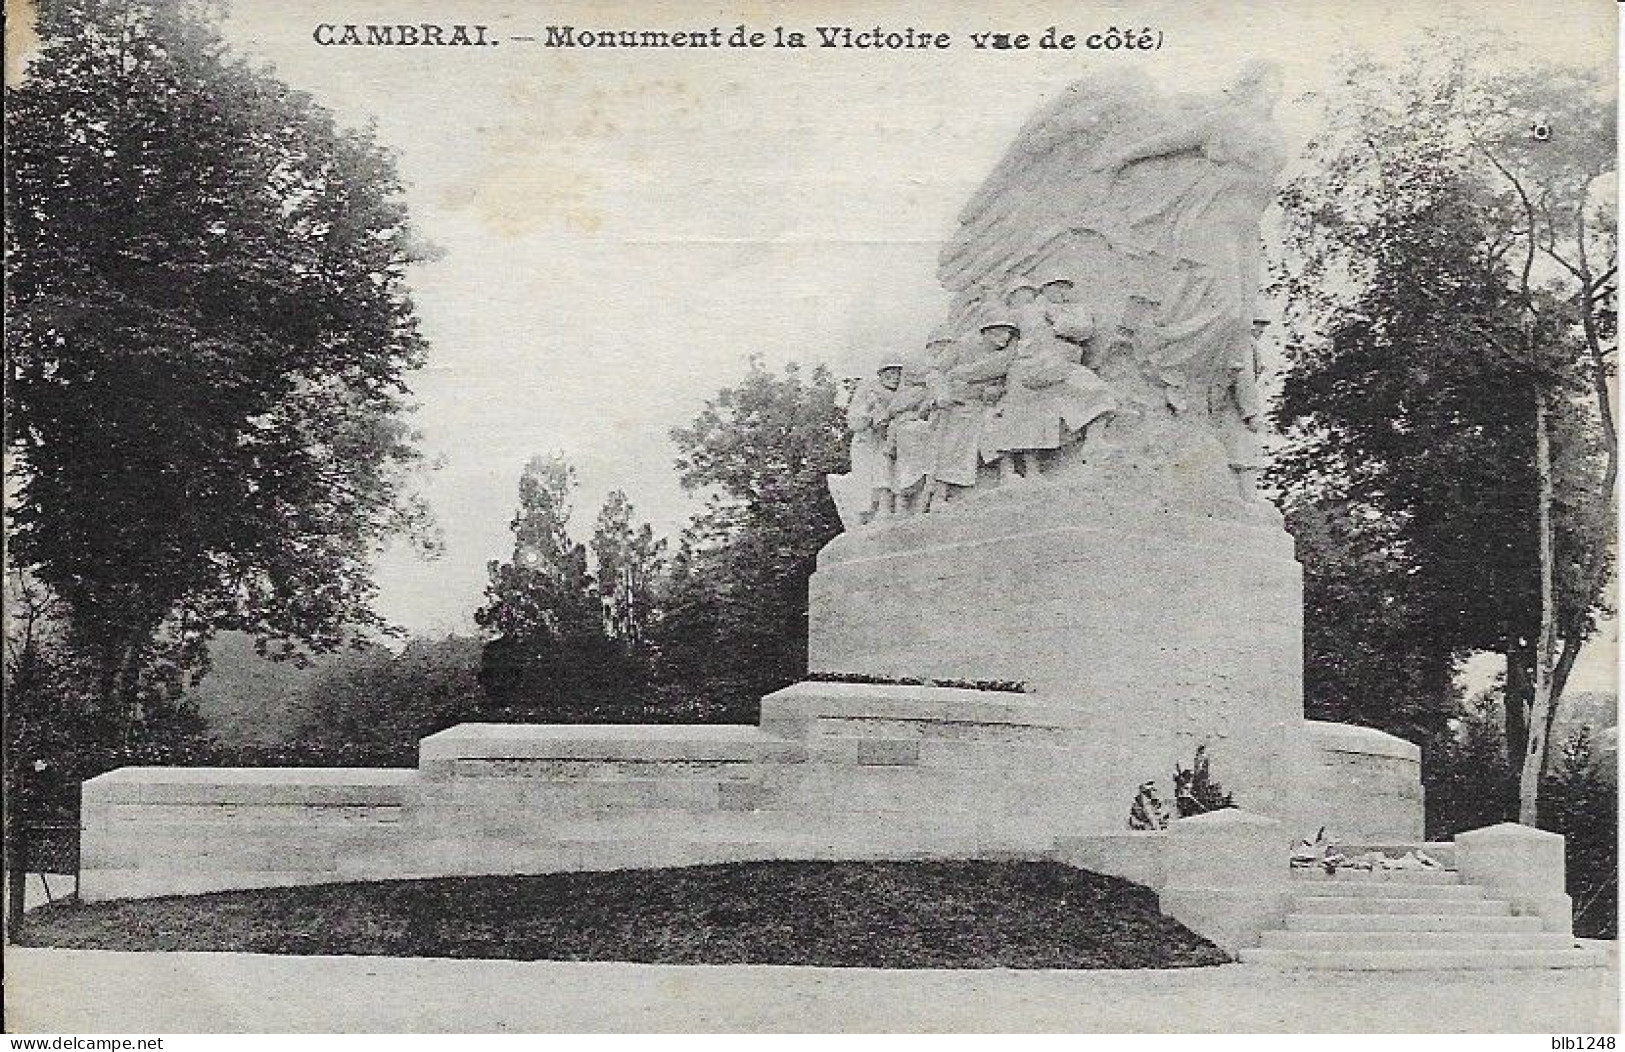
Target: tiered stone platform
1141	628
834	771
1157	618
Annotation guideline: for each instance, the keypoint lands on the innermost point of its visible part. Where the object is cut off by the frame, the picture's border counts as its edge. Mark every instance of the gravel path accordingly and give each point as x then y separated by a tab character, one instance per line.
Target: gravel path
83	991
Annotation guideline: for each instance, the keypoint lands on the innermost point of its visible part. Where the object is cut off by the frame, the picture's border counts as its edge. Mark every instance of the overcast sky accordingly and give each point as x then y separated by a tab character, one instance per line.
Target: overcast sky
620	230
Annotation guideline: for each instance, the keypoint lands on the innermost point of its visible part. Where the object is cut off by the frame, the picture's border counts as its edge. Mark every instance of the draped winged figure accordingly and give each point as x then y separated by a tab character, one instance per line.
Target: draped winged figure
1150	206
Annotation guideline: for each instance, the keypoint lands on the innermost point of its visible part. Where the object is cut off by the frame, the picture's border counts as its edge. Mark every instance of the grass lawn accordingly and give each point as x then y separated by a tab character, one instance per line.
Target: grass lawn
853	914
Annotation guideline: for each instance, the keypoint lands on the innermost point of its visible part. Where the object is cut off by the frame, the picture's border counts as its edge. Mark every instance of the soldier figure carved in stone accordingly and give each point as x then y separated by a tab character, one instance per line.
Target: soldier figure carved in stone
866	417
957	414
1158	200
908	437
988	364
1050	396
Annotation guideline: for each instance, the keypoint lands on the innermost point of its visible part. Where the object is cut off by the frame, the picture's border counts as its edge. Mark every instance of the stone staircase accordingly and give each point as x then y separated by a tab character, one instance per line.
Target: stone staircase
1359	920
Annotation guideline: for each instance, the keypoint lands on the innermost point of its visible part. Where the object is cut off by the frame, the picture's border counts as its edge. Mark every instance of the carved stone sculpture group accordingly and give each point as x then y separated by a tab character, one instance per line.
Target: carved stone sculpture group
1104	283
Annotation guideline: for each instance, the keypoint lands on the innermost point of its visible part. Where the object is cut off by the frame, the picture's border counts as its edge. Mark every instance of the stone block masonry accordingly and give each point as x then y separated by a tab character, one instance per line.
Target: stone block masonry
1149	626
180	830
835	771
1365	785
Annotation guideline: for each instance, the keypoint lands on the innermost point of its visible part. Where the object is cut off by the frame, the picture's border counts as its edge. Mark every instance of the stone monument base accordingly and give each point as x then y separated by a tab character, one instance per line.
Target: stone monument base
1154	626
835	771
1140	629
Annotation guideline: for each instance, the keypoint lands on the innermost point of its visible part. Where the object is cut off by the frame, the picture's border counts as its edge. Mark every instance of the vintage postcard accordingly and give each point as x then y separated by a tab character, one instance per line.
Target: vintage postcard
805	517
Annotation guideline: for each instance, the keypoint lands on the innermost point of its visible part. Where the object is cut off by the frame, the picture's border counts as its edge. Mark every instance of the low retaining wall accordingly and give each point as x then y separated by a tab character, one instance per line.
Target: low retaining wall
185	830
1363	786
834	771
516	798
1138	856
1223	874
934	770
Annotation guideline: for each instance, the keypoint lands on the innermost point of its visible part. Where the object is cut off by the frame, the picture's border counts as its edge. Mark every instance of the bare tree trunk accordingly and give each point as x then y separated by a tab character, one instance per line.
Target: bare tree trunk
1551	671
1520	690
117	678
130	689
1541	710
1595	576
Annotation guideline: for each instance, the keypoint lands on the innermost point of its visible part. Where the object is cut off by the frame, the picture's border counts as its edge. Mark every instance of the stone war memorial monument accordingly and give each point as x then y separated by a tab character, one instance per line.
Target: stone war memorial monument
1054	488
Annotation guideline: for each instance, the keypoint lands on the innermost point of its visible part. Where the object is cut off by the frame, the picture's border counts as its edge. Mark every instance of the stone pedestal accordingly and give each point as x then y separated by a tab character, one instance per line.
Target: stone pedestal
1523	866
1226	877
1161	625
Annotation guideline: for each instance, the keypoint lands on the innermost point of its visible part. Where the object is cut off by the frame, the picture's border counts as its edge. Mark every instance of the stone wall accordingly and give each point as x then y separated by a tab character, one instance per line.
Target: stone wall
835	771
1364	786
940	770
526	799
179	830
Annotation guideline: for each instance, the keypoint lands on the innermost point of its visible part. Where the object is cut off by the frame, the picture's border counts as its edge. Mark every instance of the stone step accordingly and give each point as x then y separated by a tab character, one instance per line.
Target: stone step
1377	876
1376	905
1382	889
1409	922
1419	960
1345	941
1441	851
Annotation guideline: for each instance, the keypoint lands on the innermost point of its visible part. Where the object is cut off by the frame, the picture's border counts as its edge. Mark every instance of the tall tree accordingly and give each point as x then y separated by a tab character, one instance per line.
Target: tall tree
628	562
686	642
548	650
1370	654
1582	802
1548	136
760	452
1450	277
55	735
208	336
